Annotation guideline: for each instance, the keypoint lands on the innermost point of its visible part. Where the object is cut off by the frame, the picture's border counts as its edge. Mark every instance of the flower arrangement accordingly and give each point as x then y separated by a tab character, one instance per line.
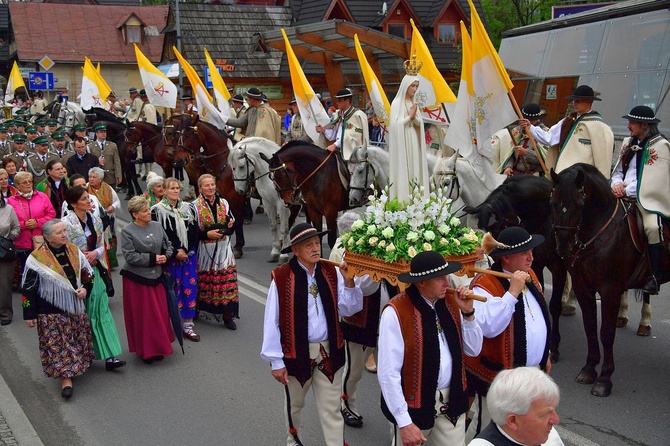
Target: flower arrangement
393	230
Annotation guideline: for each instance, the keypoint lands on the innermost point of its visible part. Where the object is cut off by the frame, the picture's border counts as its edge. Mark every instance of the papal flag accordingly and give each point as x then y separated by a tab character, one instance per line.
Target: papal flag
380	102
160	90
13	82
206	109
221	93
94	91
435	98
311	109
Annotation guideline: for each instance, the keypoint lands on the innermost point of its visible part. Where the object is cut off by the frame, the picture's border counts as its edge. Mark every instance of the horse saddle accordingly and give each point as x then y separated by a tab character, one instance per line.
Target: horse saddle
342	170
635	225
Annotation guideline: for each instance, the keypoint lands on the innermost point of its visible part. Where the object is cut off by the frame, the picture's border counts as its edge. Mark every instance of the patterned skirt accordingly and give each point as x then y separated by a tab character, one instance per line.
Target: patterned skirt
65	342
217	279
185	280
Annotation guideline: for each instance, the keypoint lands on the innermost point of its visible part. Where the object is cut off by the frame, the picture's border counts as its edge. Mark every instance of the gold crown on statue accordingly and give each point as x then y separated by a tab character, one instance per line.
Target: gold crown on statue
412	66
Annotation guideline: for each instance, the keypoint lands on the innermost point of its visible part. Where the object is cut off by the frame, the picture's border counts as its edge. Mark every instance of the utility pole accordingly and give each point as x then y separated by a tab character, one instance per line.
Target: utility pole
178	30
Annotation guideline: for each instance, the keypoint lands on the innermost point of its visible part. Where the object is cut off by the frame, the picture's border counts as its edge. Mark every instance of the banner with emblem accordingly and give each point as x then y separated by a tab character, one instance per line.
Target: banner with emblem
311	109
434	97
160	90
14	81
221	93
206	109
380	102
94	90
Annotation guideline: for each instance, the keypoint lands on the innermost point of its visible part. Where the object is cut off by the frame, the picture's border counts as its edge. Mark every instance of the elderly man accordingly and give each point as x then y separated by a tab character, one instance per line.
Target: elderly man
260	119
108	155
522	403
420	365
82	161
581	137
642	173
302	336
350	129
514	319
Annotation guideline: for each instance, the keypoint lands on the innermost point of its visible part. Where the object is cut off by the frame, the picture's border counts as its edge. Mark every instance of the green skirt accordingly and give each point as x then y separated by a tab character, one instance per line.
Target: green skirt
105	337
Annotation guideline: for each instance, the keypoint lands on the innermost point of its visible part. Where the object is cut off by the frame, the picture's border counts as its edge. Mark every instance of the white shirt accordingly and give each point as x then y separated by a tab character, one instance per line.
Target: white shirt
391	348
549	137
496	313
629	179
553	440
349	302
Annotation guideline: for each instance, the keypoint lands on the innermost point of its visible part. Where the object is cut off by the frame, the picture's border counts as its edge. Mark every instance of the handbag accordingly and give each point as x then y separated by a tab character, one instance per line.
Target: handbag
7	250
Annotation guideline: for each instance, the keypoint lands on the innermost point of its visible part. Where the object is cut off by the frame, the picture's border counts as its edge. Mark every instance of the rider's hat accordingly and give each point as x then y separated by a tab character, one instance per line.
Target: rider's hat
584	92
238	98
427	265
254	93
642	113
344	93
512	240
531	111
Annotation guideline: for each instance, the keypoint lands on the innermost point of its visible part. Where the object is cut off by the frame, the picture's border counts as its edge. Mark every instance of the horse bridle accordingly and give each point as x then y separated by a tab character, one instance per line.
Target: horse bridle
296	195
454	184
368	166
249	179
134	144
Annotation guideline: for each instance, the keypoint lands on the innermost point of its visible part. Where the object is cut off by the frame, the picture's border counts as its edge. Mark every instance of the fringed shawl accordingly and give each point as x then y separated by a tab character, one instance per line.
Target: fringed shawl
54	286
182	214
104	194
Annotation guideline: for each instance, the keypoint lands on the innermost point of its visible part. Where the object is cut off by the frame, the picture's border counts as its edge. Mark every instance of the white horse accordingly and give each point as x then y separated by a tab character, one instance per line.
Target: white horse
369	168
246	163
70	115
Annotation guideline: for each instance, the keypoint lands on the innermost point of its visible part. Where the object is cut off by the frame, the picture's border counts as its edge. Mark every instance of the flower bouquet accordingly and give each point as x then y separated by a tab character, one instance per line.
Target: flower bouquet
392	232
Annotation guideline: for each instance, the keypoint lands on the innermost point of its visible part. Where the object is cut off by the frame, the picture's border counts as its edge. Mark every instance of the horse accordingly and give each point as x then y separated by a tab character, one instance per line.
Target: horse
154	145
207	148
248	166
304	173
523	200
370	166
593	236
68	114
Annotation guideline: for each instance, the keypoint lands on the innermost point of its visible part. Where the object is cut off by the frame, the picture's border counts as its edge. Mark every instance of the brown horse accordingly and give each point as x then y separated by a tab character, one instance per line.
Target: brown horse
154	145
207	149
593	237
306	174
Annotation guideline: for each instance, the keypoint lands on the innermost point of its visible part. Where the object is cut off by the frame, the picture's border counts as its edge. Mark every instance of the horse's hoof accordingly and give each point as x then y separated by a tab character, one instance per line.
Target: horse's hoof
274	258
621	322
601	389
260	209
568	311
586	378
644	330
554	357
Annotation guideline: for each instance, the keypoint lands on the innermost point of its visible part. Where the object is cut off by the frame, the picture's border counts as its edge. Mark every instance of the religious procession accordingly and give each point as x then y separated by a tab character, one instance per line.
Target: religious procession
405	258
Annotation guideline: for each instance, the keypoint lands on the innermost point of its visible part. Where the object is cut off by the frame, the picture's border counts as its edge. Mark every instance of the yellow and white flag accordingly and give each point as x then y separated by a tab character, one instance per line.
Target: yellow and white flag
221	93
380	102
435	98
13	82
161	91
94	90
311	109
206	109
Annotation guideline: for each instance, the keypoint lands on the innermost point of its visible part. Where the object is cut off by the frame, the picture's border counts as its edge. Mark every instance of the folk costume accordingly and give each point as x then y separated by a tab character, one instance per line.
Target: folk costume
50	278
296	131
181	227
302	332
350	128
87	235
529	163
108	197
145	308
55	191
217	272
407	146
419	386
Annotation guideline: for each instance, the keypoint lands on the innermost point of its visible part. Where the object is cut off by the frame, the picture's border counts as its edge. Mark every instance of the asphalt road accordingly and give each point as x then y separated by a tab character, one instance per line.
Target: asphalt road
221	393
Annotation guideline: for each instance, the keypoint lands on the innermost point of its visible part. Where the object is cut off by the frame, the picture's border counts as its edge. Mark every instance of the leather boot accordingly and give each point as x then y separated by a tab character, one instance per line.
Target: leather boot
656	259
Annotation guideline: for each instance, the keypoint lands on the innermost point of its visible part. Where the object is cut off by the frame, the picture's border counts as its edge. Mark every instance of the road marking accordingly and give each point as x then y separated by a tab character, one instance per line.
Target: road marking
252	290
572	438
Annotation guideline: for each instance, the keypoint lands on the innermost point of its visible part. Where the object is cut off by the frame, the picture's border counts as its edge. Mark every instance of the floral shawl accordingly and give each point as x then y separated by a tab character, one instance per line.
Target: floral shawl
104	194
205	215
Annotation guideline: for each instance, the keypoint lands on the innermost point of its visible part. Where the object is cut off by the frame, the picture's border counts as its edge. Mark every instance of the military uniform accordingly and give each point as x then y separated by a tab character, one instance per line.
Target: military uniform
36	163
109	159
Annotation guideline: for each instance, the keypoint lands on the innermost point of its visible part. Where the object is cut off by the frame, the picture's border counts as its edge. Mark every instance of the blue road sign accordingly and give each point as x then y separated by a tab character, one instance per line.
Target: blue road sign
208	78
40	80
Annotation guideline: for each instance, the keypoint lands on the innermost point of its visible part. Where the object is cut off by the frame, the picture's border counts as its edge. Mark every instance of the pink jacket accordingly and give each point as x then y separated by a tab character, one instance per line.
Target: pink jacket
38	207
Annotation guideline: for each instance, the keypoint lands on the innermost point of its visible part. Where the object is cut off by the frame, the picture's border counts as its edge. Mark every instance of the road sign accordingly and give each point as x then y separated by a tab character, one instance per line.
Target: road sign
46	63
40	81
208	78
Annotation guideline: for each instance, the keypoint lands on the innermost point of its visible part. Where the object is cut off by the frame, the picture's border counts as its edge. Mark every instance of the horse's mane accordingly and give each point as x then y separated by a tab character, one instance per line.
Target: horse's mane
104	115
213	127
599	192
154	127
304	149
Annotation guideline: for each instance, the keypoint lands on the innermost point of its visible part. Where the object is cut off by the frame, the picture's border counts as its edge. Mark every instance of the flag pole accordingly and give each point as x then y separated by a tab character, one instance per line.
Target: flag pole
530	136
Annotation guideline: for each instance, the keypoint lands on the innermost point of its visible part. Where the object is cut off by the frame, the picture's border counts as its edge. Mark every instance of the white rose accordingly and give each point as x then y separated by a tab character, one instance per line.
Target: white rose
429	235
358	224
444	228
411	252
382	243
412	236
372	229
373	241
455	222
390	247
387	232
427	247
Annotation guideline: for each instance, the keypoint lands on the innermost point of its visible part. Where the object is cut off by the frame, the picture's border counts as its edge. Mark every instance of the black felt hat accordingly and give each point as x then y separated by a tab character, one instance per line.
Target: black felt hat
300	233
344	93
642	113
584	92
255	93
238	98
531	111
426	265
514	240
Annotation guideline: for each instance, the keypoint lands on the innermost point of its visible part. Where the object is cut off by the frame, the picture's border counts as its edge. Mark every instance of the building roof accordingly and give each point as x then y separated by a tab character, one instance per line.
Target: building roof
620	9
32	22
231	32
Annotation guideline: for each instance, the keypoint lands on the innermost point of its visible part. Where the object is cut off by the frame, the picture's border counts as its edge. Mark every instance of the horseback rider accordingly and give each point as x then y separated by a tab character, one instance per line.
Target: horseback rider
296	131
520	156
641	173
350	128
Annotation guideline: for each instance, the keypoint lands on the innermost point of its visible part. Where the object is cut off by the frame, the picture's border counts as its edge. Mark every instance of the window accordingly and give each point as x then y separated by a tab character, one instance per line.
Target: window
397	29
133	34
446	33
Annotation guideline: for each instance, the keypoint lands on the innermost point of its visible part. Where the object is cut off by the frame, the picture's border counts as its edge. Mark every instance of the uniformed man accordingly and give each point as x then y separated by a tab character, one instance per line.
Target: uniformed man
350	129
20	153
296	131
36	162
11	128
61	148
6	146
117	108
135	105
52	126
20	126
108	155
80	132
260	119
41	126
31	135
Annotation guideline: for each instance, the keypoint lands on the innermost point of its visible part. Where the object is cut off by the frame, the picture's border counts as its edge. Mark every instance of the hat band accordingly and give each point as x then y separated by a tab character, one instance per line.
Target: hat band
430	271
532	115
642	118
501	246
300	234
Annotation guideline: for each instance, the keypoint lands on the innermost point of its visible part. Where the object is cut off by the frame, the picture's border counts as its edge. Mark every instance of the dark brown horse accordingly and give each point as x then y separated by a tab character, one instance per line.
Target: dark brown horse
593	237
306	174
523	200
206	148
154	145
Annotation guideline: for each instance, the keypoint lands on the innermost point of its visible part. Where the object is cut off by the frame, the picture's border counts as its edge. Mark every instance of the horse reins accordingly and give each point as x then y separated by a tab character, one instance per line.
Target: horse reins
367	173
